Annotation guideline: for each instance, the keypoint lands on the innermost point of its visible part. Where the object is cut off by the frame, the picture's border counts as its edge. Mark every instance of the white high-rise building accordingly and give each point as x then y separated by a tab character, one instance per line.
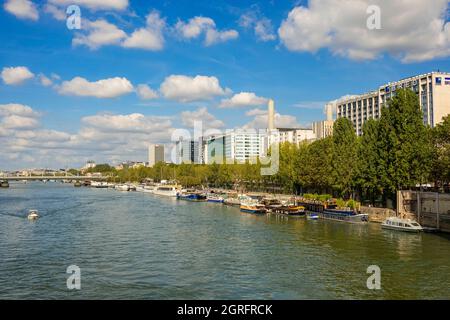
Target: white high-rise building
155	154
432	89
244	145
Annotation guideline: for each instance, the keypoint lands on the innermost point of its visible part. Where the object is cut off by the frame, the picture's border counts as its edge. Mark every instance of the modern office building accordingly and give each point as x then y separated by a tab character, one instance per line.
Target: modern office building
155	154
244	145
187	151
433	90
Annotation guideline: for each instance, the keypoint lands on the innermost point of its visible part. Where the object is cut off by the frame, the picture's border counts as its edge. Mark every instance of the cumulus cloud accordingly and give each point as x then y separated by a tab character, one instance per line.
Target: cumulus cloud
18	110
411	31
109	137
243	99
149	38
145	92
22	9
105	88
17	116
199	25
19	122
93	4
99	33
187	89
208	120
16	75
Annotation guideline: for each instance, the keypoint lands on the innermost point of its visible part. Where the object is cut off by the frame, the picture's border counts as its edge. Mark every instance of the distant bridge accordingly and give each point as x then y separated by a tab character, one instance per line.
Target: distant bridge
37	178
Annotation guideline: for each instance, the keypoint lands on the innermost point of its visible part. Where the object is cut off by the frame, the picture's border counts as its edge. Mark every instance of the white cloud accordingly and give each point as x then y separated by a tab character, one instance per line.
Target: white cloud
208	120
145	92
19	122
255	112
243	99
106	137
94	4
213	36
412	30
45	81
99	33
260	120
199	25
261	25
151	37
16	75
23	9
18	110
194	27
187	89
105	88
57	12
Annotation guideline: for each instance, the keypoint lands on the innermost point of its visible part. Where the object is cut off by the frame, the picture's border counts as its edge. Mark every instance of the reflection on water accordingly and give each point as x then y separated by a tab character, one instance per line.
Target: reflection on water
134	245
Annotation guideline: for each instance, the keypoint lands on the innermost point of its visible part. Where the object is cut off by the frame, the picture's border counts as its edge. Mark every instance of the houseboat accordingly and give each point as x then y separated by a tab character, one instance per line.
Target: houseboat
191	195
344	215
253	207
165	190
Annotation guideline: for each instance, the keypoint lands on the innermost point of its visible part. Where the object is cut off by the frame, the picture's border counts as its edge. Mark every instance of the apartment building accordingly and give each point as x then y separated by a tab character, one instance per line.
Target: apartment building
433	90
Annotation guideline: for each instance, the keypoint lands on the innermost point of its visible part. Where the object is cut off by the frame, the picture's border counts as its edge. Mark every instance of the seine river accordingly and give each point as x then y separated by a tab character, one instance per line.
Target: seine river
140	246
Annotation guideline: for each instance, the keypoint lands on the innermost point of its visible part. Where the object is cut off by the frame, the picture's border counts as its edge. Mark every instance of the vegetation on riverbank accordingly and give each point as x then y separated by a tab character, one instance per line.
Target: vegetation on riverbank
396	152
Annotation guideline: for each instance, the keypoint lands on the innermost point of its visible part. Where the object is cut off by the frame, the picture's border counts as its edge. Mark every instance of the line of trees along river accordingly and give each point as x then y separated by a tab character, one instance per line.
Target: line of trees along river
395	152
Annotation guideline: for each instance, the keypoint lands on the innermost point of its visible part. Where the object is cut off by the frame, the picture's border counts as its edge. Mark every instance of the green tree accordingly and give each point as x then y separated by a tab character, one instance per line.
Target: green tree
368	177
344	156
404	143
441	152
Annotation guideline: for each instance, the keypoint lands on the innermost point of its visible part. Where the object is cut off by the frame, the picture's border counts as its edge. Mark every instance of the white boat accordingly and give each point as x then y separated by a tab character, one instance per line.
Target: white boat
33	215
168	191
408	225
96	184
122	187
149	189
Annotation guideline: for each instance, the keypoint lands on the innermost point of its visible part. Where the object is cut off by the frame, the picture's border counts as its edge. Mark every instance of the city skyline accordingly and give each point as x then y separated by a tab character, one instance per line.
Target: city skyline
135	72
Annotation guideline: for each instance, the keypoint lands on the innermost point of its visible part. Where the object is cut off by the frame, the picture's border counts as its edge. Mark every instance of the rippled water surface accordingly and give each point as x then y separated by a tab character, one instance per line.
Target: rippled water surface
140	246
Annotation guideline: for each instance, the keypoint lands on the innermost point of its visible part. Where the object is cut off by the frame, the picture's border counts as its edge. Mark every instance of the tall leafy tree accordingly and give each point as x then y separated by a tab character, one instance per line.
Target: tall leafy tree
344	156
368	177
404	145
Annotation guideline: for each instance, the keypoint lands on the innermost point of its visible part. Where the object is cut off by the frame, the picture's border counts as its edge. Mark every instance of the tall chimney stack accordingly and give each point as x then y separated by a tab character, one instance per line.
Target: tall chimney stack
271	115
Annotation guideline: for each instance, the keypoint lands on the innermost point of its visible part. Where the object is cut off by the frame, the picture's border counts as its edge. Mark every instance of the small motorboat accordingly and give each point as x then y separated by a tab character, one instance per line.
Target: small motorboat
408	225
33	215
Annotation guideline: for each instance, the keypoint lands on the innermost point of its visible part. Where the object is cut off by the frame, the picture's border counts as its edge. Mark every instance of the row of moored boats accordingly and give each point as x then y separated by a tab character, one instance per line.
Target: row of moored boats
257	204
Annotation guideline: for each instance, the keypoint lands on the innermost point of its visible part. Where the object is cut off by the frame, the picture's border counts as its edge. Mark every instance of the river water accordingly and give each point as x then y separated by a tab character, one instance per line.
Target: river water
131	245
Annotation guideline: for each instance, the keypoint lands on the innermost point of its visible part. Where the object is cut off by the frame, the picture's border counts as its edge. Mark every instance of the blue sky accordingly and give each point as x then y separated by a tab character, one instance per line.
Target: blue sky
291	60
